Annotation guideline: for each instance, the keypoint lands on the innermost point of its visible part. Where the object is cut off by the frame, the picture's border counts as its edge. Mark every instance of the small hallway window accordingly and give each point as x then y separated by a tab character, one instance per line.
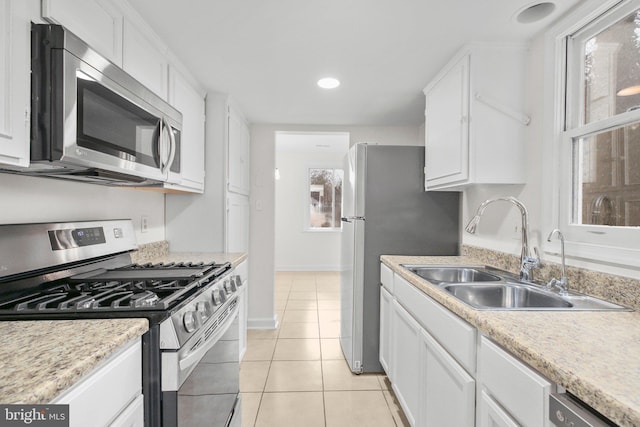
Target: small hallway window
325	198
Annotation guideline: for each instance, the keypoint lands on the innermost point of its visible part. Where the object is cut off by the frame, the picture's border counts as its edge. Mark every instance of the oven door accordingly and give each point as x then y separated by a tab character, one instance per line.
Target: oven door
208	380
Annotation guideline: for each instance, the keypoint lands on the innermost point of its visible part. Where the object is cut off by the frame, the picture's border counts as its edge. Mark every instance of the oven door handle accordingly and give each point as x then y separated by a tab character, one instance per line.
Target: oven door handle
194	357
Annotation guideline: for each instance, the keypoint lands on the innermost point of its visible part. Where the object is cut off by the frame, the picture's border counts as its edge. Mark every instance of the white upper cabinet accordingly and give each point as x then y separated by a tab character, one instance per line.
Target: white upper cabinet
14	82
191	104
237	223
474	120
145	59
238	139
96	22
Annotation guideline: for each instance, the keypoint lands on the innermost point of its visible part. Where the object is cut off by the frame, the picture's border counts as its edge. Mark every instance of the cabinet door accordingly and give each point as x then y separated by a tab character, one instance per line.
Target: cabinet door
447	127
103	395
386	301
448	393
406	336
145	59
243	309
14	82
189	102
237	235
490	414
132	416
515	386
97	22
238	154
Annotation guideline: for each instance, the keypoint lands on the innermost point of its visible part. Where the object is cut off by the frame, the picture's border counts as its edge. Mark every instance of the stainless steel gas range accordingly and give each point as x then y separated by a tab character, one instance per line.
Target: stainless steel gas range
84	270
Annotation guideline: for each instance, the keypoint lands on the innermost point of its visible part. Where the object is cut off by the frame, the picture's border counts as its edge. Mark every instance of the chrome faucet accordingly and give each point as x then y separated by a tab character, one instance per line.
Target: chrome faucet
527	261
563	283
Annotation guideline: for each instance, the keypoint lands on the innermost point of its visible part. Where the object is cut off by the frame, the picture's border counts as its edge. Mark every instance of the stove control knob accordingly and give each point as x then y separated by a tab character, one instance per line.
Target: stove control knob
238	280
232	284
215	297
228	286
204	309
223	295
190	321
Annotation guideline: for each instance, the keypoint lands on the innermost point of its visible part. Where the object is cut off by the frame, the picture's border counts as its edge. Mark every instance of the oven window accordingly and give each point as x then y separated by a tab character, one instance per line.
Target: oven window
110	124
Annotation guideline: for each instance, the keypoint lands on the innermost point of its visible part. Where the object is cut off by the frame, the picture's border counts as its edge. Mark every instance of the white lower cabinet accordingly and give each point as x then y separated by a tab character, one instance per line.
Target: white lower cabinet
386	305
490	414
520	391
405	342
111	394
242	270
444	374
447	392
132	416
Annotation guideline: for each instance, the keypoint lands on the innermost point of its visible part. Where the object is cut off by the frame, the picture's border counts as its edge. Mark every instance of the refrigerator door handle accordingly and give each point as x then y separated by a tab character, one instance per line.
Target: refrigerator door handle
352	218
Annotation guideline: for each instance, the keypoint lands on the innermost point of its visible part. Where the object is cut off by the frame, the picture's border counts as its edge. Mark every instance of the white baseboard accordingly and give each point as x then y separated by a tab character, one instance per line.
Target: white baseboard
263	323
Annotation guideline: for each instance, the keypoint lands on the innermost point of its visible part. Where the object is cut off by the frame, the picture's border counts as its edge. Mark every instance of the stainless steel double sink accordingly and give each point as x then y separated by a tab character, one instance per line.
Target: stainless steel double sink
487	288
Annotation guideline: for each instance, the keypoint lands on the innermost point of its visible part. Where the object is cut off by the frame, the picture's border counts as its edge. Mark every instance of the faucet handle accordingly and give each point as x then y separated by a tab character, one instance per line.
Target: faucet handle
529	263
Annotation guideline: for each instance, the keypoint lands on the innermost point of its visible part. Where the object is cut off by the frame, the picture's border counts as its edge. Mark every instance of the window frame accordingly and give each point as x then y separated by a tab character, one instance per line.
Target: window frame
603	244
307	218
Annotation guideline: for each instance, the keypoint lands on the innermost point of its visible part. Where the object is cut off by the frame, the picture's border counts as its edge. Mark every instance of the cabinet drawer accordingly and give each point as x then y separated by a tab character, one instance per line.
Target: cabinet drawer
386	277
104	393
516	387
453	333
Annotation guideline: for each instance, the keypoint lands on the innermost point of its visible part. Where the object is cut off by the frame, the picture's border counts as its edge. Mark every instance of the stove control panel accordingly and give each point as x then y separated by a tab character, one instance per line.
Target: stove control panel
76	237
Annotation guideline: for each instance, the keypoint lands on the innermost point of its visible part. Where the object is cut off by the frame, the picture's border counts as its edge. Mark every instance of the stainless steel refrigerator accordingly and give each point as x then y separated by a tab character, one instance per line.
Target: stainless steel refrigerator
385	212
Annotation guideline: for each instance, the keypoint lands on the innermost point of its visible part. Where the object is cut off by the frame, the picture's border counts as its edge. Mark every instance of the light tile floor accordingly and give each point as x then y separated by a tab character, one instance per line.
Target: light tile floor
296	375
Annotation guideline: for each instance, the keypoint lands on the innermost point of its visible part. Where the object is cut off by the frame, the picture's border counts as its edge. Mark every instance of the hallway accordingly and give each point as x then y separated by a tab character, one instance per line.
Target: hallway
296	375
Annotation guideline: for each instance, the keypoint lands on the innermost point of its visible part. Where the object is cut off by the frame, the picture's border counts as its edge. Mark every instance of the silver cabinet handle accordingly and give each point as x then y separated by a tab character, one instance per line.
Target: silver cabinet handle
352	218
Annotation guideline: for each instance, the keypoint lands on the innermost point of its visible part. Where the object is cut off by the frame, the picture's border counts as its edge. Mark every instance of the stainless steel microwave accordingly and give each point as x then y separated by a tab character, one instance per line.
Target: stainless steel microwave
91	121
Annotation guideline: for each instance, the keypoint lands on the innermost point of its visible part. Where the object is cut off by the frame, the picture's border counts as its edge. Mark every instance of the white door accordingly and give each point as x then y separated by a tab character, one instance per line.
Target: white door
406	335
386	301
490	414
237	233
447	127
448	391
14	82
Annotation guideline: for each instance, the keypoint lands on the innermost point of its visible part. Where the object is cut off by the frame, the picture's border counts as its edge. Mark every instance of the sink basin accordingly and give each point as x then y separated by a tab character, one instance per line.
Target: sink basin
487	288
506	296
439	275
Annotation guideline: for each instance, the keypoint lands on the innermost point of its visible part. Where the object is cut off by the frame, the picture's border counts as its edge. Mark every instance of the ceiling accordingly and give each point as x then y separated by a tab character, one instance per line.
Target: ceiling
268	55
312	142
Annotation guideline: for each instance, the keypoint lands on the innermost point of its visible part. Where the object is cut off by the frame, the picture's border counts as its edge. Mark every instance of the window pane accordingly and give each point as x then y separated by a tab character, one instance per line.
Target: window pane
606	171
611	63
325	198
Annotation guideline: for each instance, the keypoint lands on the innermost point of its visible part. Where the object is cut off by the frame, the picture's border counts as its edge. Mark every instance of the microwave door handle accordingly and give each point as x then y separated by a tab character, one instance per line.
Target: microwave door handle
172	144
160	145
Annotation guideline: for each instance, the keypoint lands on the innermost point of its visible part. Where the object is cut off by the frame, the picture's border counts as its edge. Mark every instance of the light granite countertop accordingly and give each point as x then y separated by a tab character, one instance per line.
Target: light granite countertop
43	358
156	253
594	355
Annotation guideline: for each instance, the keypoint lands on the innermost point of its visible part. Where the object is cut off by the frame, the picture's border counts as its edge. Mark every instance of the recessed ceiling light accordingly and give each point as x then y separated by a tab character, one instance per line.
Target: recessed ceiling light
535	12
328	83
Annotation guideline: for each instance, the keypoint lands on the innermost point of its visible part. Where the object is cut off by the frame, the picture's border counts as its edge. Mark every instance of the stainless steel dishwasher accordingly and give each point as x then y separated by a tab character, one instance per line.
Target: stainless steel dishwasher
565	410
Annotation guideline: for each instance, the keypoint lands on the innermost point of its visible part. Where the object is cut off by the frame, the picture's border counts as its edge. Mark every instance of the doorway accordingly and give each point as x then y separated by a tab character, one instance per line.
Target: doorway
309	172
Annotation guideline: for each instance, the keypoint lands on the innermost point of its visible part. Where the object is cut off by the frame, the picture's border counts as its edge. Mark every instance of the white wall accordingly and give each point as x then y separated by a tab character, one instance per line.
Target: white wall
263	224
195	222
297	249
27	199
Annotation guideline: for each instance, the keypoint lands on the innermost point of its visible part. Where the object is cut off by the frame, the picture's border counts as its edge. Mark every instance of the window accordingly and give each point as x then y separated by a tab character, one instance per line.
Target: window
599	199
325	198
